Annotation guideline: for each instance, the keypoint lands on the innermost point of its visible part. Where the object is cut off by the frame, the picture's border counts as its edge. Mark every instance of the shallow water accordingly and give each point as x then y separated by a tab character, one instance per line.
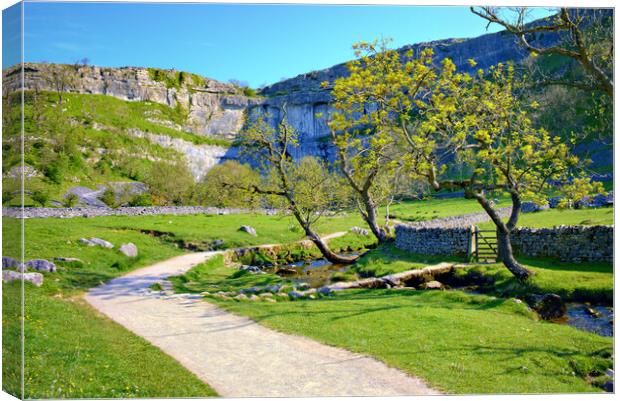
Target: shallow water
315	273
578	317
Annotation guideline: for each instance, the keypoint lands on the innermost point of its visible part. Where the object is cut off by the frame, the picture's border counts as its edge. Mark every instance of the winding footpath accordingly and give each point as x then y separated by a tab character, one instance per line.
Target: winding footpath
235	355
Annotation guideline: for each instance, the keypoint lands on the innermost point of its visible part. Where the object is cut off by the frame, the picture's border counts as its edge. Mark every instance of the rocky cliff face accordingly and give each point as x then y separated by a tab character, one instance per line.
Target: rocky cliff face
214	109
220	110
305	97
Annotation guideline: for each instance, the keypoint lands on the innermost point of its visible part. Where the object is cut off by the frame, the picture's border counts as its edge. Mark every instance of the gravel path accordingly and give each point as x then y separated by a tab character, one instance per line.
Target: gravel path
235	355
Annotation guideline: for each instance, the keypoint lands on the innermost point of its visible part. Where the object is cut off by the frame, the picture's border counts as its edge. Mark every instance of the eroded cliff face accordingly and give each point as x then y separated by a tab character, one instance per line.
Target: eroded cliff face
220	110
214	108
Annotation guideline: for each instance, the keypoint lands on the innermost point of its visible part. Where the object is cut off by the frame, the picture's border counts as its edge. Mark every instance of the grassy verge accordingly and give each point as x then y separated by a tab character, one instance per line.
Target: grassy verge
458	343
587	282
581	282
71	351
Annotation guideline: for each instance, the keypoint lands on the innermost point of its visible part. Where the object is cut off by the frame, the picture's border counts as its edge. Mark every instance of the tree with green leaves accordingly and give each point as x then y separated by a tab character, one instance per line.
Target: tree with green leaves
362	130
169	183
306	188
576	66
214	191
438	115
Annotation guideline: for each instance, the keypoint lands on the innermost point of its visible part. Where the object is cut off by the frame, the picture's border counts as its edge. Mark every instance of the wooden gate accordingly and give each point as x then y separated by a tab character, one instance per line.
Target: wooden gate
485	245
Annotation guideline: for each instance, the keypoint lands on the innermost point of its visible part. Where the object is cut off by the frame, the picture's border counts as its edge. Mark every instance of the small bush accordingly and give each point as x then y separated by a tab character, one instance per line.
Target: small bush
140	200
40	197
71	200
109	198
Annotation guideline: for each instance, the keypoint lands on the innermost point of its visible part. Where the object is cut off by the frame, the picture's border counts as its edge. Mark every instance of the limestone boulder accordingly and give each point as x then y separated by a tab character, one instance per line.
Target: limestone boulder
41	265
248	229
129	249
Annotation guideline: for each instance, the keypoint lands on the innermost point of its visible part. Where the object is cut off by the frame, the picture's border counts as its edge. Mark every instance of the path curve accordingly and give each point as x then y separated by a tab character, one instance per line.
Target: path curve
235	355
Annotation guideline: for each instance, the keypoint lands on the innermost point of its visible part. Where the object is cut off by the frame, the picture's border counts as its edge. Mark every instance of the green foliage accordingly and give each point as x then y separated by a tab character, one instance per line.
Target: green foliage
140	200
71	200
457	342
306	187
88	142
40	197
225	185
249	92
169	183
109	198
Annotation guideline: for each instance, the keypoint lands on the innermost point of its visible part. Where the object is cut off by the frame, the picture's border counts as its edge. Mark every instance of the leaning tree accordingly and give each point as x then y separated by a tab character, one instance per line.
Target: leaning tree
481	121
305	187
362	129
437	115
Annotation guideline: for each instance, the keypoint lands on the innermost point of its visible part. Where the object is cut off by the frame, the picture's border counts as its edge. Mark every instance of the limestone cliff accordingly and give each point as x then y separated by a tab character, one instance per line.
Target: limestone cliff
214	108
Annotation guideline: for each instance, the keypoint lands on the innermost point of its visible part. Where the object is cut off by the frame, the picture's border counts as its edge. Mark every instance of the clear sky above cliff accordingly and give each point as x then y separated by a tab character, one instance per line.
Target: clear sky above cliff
259	44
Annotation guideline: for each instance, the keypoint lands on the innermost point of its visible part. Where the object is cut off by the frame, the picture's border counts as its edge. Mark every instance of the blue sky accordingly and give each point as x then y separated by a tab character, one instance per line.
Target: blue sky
259	44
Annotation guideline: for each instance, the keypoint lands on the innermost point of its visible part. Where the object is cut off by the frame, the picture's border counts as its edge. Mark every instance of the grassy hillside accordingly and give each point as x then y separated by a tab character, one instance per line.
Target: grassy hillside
83	141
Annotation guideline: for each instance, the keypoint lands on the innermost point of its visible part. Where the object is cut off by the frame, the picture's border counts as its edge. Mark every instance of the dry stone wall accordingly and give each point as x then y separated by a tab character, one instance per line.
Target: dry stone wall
434	240
565	243
41	212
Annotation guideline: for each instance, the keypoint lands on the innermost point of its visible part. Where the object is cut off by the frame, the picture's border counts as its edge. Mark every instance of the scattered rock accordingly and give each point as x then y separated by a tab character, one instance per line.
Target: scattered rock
592	312
248	229
286	271
325	291
217	244
34	278
241	297
266	295
129	249
270	300
610	373
359	231
96	242
254	297
548	306
302	286
295	295
273	288
251	290
609	386
251	269
41	265
433	285
530	207
9	263
69	260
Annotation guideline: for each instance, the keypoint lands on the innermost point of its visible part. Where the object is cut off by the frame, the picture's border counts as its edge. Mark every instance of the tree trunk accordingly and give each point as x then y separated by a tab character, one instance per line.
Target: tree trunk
328	253
371	219
504	248
505	255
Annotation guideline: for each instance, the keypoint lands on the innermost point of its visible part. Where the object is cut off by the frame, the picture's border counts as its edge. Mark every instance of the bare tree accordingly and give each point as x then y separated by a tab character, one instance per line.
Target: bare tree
586	36
61	78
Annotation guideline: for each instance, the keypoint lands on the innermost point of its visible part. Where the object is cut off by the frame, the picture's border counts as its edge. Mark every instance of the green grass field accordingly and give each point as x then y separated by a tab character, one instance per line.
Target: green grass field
55	310
458	343
71	351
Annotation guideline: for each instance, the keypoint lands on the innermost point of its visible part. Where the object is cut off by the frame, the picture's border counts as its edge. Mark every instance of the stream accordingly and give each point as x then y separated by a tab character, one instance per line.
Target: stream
317	273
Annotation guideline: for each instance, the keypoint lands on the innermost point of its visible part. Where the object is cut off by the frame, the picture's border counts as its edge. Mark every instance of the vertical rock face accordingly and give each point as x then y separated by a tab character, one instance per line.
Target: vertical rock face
220	110
214	109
